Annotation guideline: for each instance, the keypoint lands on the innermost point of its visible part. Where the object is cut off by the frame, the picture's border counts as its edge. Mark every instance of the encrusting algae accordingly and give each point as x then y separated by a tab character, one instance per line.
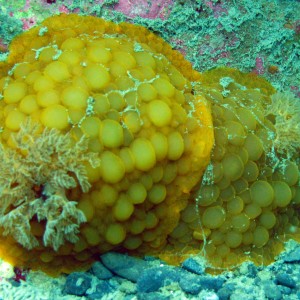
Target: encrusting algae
110	140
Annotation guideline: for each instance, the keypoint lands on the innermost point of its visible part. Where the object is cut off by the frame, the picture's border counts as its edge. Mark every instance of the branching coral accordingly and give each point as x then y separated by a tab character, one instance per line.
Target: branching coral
34	178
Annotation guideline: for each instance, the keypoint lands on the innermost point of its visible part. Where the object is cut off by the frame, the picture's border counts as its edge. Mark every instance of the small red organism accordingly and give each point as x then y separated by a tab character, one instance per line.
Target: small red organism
20	274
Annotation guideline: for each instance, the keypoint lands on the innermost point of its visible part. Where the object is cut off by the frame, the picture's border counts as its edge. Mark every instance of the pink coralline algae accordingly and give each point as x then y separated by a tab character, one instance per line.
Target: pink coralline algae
3	47
63	9
217	8
28	23
146	9
295	90
259	66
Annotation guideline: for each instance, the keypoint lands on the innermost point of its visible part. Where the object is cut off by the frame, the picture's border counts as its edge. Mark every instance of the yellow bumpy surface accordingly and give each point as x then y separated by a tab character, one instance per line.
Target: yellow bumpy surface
247	204
129	95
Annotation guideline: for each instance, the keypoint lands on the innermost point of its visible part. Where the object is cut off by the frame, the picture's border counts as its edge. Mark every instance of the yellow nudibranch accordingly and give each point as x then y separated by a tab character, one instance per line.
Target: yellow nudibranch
110	140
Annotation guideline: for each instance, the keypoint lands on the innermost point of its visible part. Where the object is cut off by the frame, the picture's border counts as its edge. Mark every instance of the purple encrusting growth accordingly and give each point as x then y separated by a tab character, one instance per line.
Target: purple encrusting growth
253	36
145	9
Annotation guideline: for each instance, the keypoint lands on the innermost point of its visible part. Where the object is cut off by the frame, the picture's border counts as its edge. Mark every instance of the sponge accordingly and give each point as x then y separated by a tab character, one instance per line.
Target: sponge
247	204
120	102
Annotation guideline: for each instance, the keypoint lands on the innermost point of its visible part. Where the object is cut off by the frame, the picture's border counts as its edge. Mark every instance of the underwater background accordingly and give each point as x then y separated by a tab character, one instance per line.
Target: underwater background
259	37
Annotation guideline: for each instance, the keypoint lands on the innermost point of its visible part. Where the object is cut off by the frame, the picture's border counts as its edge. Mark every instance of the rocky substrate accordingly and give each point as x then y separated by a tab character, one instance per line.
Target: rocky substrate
119	276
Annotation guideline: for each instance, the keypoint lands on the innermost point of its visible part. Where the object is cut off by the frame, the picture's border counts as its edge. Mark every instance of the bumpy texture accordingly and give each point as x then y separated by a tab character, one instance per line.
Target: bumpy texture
106	134
247	204
102	140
